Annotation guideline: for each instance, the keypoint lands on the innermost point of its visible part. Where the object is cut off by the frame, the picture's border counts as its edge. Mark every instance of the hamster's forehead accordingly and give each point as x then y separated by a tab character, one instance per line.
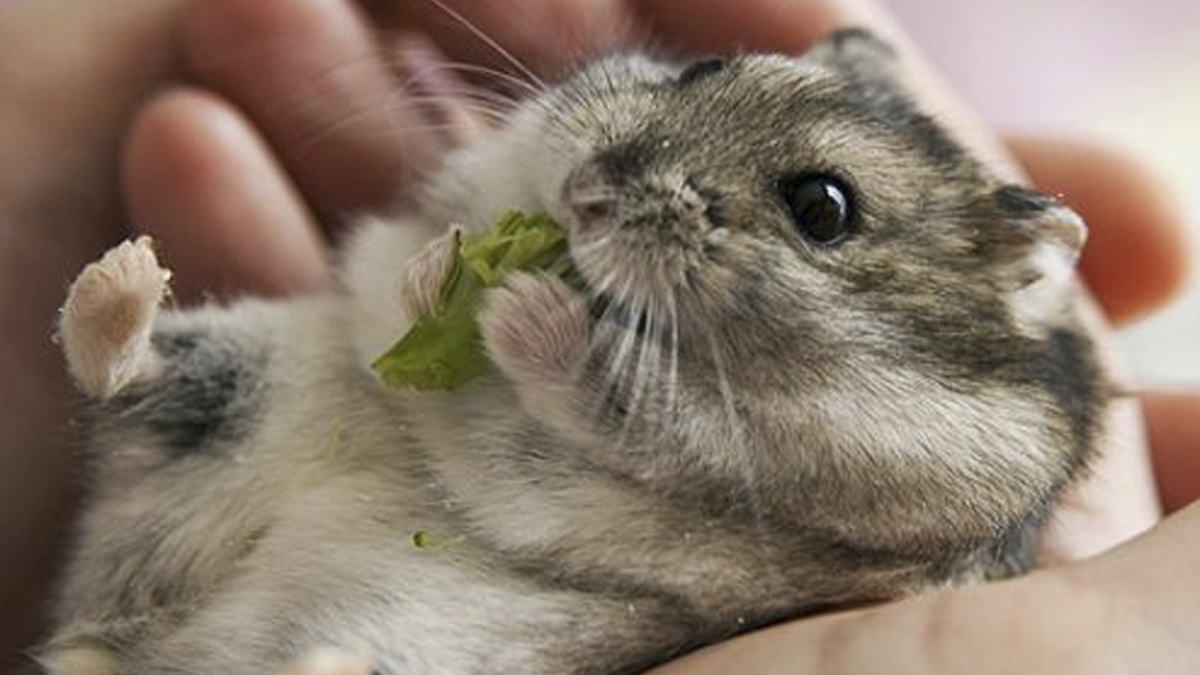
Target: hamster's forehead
762	109
764	83
631	70
749	119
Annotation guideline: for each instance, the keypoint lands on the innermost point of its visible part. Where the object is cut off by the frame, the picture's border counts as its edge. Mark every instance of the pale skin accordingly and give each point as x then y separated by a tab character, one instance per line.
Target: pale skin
289	122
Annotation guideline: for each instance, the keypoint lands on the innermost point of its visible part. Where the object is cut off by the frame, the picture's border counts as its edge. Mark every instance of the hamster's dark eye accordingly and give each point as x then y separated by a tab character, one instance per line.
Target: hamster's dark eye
820	207
701	69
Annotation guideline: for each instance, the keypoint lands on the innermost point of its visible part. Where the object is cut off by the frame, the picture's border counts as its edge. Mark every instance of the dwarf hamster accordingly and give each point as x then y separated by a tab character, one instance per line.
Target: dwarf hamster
821	356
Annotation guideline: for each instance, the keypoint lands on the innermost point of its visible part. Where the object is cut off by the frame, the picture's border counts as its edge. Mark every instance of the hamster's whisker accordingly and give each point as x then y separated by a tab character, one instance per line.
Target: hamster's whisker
672	379
493	101
597	194
286	47
619	365
518	85
395	131
305	147
468	118
437	85
645	369
595	102
737	435
577	110
484	110
309	99
634	362
658	375
497	100
489	42
613	317
558	120
640	374
589	249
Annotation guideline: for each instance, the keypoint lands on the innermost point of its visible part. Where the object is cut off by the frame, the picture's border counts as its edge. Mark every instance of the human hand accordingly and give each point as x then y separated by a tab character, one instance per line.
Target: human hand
292	123
70	76
1129	611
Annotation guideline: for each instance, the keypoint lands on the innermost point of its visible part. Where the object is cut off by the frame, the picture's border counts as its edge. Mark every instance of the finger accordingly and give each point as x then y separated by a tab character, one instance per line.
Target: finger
1116	499
1173	426
542	38
309	76
224	215
965	630
1150	587
1136	258
709	26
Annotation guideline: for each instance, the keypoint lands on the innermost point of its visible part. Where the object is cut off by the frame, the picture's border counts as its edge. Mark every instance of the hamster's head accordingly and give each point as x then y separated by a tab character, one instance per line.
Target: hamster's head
806	289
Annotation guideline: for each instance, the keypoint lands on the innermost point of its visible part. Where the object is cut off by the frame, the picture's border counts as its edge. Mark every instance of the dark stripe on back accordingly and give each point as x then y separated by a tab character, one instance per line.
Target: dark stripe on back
208	396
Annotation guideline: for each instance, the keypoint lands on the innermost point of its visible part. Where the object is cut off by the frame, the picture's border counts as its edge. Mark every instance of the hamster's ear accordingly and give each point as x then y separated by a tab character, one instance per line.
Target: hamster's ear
858	51
1041	238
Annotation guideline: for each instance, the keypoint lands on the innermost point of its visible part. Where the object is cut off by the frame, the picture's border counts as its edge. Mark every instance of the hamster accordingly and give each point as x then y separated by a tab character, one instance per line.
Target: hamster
821	357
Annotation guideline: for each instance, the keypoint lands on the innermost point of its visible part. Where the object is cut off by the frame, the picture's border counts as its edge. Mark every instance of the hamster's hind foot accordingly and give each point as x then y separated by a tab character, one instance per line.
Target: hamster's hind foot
331	662
106	322
79	660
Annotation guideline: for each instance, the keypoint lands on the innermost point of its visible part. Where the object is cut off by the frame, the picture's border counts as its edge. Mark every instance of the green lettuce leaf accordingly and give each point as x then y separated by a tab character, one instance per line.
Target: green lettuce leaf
444	350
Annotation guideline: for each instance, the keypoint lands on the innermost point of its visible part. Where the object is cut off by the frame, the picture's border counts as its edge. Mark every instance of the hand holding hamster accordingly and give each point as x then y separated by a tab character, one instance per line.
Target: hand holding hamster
819	356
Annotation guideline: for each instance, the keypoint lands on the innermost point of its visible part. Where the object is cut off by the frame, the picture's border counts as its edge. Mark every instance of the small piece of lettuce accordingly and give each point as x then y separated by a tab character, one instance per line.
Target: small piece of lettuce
427	541
444	350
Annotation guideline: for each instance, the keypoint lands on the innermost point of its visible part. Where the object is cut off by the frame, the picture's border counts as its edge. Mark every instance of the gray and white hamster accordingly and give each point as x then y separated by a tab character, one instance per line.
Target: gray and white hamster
837	361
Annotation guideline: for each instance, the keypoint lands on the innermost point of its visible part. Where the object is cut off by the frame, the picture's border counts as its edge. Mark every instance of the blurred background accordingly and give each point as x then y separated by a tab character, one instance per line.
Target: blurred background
1126	72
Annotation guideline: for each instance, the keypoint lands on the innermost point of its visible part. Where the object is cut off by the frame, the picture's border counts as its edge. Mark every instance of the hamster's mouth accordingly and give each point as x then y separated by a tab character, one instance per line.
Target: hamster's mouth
603	306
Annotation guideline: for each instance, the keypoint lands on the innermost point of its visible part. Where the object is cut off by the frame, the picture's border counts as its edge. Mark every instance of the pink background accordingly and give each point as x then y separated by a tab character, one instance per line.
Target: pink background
1125	71
1044	62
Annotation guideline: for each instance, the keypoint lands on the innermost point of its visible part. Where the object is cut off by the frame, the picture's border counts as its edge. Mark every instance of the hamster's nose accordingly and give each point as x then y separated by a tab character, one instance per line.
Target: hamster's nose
590	196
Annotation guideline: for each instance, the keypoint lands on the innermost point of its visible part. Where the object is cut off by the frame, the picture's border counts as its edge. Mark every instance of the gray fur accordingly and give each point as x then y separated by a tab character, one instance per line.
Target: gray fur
209	398
753	428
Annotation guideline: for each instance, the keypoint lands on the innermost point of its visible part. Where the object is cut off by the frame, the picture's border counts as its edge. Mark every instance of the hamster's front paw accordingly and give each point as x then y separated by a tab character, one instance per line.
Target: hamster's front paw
426	274
536	329
106	321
